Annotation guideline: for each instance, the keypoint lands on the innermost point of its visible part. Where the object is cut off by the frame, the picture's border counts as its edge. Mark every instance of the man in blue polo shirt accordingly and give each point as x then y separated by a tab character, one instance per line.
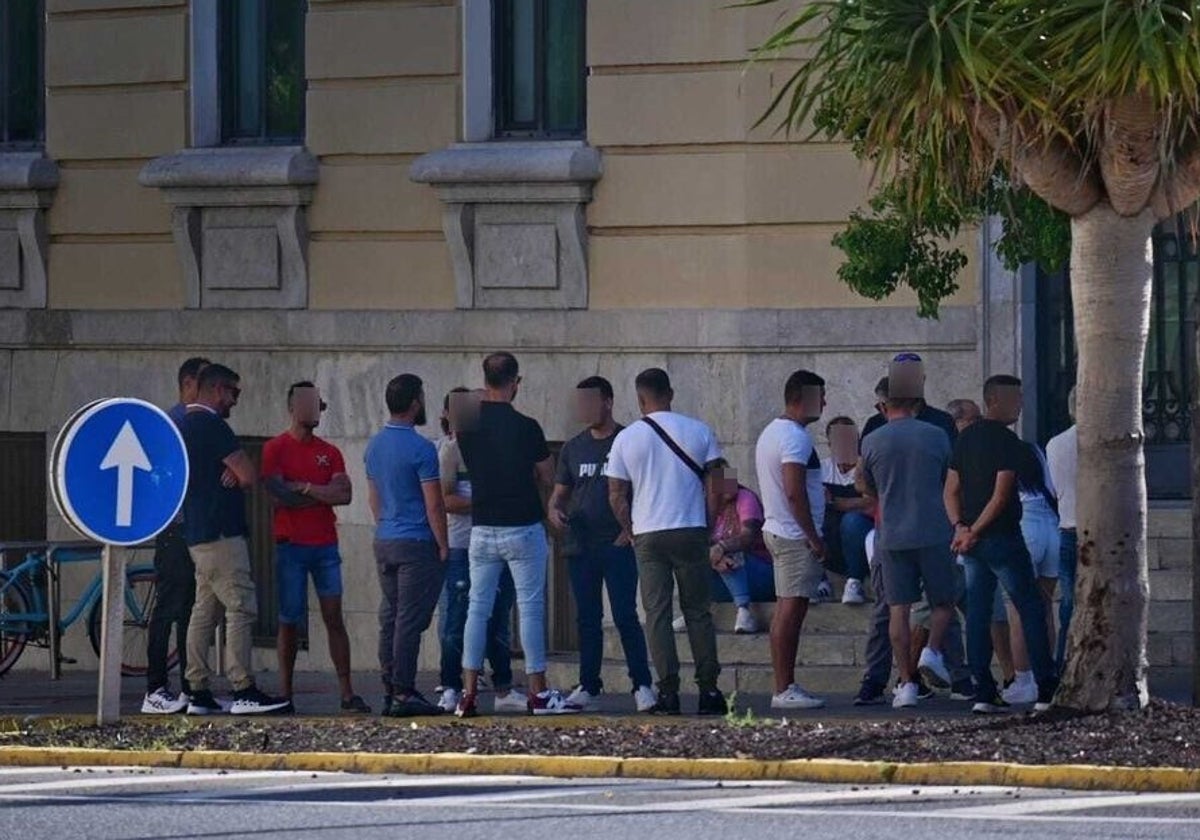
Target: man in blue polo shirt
411	543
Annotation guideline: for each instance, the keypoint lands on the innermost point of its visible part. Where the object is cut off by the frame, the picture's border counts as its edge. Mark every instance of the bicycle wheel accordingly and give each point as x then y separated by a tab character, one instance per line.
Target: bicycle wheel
14	600
141	596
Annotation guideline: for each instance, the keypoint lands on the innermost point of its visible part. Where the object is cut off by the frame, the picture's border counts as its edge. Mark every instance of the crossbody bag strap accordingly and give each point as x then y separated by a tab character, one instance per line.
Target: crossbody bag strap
676	448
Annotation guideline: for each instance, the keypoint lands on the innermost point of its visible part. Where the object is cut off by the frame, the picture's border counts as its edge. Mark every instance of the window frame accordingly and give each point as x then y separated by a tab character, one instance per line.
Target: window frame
502	127
39	140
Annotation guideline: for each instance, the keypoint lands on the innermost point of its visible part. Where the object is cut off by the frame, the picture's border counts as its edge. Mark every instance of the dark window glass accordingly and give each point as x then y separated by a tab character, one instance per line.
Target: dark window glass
262	70
21	102
541	68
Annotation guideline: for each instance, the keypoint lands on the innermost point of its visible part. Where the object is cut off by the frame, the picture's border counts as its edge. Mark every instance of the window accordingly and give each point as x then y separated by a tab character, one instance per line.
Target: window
21	102
540	72
261	68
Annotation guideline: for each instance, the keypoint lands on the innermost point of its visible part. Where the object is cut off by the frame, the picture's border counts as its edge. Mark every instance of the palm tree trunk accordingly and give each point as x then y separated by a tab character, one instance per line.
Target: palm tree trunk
1111	280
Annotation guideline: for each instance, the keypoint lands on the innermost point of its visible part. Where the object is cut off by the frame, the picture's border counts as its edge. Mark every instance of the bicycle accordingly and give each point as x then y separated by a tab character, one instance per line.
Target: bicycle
25	619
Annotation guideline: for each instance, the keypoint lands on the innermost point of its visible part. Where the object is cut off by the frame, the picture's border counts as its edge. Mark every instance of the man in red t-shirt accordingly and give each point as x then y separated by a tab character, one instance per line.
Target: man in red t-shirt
306	478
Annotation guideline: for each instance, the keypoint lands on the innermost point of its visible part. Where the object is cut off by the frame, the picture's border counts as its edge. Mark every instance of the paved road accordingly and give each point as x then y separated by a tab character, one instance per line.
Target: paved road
135	804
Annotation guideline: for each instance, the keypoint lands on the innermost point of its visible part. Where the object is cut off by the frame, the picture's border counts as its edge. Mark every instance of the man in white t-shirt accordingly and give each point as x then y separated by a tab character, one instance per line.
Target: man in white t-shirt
789	478
664	458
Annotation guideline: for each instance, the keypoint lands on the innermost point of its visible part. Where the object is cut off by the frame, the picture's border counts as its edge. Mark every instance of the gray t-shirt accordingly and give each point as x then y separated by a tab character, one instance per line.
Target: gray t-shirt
905	463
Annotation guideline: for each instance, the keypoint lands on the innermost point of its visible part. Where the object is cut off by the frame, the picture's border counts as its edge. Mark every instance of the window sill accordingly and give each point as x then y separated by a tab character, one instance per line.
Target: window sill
27	183
239	222
514	220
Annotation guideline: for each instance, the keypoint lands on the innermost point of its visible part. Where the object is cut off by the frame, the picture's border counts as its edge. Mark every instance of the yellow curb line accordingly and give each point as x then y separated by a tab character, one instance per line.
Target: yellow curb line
822	771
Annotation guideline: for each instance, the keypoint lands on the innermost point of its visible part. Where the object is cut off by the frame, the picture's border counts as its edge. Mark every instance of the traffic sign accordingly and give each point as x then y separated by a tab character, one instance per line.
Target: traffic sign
119	471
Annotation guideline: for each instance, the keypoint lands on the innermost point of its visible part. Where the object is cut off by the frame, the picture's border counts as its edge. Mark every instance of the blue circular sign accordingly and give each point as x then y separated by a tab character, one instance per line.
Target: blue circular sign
119	471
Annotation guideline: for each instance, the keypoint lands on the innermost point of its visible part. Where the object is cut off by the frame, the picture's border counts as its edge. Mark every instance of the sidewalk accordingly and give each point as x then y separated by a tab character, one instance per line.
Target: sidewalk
32	693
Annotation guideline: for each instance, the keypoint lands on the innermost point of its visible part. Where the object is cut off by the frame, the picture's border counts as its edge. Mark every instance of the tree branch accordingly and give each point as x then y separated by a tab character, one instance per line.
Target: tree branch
1129	152
1048	166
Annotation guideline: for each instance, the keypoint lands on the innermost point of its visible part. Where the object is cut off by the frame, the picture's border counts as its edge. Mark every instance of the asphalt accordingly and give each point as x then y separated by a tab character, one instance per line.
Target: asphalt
138	804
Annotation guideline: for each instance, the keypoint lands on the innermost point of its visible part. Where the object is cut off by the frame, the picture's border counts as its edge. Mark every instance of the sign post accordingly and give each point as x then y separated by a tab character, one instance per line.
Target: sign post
118	472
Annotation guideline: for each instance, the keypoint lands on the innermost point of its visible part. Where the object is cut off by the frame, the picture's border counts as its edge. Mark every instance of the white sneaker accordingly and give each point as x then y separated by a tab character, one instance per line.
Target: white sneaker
795	697
584	699
646	698
907	696
163	701
933	668
853	593
1023	691
449	701
679	625
745	622
515	702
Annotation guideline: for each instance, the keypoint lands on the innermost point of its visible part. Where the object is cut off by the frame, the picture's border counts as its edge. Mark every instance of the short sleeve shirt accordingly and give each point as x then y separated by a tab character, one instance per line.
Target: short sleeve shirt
399	461
312	461
983	450
581	466
905	462
451	466
746	508
211	511
785	441
500	453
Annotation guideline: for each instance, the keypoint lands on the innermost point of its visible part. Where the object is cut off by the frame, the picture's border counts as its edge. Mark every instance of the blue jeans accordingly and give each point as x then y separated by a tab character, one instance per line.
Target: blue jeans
453	606
751	583
1004	558
592	570
1068	553
525	551
846	536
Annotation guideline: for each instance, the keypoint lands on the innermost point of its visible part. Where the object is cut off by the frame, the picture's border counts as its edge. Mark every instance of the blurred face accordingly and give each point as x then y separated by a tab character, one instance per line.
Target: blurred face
843	443
591	407
813	400
464	410
725	484
306	407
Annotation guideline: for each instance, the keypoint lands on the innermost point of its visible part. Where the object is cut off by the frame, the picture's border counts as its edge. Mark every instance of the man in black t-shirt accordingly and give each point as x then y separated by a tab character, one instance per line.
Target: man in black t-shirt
214	527
509	463
599	554
983	505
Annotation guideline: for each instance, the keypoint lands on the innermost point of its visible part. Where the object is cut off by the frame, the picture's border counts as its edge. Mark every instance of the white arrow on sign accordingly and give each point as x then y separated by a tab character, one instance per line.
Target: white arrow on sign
125	455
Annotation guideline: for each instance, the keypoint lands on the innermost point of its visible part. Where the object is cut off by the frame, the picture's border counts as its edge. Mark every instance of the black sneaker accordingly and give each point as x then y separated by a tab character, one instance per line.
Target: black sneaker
413	705
668	704
1046	692
869	694
924	692
251	701
963	689
356	706
994	705
203	703
712	703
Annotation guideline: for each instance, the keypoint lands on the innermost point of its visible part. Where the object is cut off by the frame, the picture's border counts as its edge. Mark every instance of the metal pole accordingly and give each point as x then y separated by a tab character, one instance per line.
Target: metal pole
112	628
54	610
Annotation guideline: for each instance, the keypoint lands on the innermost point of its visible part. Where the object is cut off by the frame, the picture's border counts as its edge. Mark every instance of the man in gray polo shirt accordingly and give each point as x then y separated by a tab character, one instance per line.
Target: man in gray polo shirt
904	466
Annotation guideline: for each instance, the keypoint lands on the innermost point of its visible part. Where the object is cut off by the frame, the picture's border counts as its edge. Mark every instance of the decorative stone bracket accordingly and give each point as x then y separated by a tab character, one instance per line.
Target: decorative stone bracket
239	222
27	184
514	221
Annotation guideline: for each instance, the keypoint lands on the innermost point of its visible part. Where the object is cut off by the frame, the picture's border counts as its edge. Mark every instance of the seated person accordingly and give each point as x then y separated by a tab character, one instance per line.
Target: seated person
847	519
742	571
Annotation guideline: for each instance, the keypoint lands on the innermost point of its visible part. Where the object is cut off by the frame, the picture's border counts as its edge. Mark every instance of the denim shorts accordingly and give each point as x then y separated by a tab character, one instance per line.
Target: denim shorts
293	565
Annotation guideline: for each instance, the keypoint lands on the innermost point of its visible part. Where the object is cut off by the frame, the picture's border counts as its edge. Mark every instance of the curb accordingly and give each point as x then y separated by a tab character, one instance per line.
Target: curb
821	771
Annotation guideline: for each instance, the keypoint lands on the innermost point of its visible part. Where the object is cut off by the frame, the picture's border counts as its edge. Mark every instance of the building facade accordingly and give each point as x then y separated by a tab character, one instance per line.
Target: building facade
342	191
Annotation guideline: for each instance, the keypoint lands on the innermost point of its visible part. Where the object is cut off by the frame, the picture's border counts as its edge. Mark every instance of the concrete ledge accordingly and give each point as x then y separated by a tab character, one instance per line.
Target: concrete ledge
27	171
822	771
502	163
234	166
869	330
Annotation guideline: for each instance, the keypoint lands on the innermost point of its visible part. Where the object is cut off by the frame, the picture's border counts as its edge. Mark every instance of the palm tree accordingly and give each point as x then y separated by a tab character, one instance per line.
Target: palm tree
1091	105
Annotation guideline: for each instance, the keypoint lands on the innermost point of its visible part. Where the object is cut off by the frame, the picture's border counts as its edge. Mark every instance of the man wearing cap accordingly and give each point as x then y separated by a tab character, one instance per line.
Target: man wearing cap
927	413
306	479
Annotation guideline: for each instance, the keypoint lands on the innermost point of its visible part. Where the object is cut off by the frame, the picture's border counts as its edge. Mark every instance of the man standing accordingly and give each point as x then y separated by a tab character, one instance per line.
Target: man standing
1062	453
176	586
306	478
927	413
510	465
982	505
214	526
789	477
411	547
904	466
663	461
599	553
456	593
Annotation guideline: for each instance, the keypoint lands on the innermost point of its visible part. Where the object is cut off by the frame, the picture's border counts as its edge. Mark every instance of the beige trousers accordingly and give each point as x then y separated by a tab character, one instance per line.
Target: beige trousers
223	589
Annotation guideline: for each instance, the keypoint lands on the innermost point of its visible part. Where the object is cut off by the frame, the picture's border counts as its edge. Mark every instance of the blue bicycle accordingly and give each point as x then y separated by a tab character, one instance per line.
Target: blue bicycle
25	618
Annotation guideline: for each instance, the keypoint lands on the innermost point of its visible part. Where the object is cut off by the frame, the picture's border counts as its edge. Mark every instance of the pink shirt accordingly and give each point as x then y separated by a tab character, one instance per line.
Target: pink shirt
747	508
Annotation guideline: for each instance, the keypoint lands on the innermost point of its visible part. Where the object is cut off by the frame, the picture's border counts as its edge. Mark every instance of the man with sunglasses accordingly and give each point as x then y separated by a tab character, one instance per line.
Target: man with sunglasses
215	528
306	479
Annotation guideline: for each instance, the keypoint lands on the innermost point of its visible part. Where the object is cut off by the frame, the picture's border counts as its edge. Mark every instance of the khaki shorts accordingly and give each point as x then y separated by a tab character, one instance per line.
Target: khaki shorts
798	571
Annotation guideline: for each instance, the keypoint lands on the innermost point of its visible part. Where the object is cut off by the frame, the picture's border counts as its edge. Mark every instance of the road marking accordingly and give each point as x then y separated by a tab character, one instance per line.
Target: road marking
87	781
969	815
